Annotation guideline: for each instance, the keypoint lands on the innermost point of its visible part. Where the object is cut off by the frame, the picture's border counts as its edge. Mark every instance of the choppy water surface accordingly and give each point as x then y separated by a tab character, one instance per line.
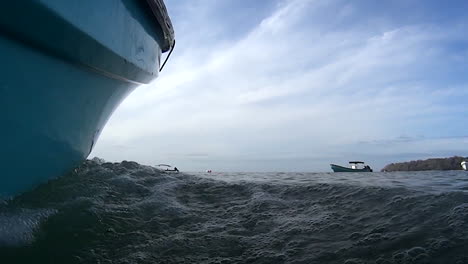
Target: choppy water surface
128	213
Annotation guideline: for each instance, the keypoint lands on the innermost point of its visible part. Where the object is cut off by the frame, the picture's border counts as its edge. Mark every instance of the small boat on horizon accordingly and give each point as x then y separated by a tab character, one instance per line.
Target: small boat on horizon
355	167
167	168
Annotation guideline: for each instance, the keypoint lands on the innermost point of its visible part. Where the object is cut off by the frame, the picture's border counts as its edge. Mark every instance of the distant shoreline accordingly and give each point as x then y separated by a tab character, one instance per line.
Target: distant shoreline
451	163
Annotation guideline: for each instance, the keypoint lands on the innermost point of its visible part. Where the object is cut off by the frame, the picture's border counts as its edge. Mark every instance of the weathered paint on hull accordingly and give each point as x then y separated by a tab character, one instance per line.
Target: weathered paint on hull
64	70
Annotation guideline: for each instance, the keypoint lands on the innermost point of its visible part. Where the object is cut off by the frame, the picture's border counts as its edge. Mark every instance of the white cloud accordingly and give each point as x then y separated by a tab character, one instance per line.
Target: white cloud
292	87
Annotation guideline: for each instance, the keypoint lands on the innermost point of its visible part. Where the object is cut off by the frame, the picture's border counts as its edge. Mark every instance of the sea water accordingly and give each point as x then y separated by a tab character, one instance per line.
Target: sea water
130	213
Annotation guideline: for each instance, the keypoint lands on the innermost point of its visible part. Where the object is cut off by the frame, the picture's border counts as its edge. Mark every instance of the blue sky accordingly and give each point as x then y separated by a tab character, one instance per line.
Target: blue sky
293	85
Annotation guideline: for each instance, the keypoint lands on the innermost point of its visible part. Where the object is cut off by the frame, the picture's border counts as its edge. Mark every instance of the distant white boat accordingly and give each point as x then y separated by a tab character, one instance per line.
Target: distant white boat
464	165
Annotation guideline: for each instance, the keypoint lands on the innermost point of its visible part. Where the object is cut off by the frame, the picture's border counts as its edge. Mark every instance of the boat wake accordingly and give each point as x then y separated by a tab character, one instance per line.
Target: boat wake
130	213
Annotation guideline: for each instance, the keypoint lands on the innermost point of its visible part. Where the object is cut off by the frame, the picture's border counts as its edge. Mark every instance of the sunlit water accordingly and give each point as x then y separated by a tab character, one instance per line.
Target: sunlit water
128	213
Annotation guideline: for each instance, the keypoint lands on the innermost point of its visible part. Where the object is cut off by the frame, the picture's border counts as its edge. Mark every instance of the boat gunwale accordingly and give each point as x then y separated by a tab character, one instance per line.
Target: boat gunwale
159	10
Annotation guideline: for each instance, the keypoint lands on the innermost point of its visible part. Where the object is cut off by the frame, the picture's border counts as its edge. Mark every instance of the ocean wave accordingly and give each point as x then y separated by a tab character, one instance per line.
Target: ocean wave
129	213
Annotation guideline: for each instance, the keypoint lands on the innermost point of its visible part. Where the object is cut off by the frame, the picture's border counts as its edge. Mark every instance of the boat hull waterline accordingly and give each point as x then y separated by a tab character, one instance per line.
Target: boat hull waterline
62	78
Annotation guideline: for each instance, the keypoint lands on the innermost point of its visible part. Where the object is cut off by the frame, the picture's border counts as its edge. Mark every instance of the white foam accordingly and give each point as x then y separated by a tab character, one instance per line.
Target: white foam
17	228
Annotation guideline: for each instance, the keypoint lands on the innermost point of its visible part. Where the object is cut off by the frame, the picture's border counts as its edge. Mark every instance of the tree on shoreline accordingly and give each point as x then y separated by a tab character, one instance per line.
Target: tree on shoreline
452	163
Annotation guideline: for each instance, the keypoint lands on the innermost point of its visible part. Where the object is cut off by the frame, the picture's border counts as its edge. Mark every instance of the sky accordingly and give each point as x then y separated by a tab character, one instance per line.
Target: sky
294	85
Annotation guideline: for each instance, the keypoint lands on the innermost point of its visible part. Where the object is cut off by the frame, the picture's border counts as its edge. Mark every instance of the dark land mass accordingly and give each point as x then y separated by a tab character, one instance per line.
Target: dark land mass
452	163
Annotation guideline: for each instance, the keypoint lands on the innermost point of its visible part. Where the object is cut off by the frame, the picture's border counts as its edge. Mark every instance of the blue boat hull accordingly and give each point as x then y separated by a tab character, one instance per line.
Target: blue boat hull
64	70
